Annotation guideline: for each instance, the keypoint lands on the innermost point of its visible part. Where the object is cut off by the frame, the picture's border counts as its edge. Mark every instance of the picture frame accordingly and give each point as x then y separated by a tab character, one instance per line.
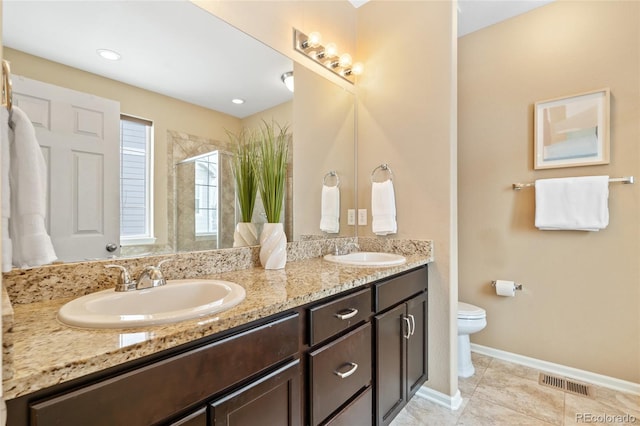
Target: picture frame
572	131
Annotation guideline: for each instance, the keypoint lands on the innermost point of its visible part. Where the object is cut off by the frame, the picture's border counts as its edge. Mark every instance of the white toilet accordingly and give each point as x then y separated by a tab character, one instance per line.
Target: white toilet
471	319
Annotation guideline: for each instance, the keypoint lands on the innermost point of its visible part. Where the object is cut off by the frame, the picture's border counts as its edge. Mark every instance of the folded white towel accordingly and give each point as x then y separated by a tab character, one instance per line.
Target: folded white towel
6	191
330	209
383	208
579	203
28	181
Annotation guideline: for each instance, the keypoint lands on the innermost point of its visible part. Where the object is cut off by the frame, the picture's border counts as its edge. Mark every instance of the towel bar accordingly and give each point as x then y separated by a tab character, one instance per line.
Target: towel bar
625	179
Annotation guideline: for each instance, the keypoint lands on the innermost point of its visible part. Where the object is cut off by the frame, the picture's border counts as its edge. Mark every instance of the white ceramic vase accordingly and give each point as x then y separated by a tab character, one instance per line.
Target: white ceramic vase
245	234
273	246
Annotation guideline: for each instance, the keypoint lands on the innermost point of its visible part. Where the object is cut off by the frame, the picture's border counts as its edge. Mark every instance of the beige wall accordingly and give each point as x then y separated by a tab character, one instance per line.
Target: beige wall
406	118
581	301
325	145
165	112
281	114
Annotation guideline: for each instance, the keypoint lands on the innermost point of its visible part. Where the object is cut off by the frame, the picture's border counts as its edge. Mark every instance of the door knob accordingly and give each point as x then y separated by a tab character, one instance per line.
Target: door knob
111	247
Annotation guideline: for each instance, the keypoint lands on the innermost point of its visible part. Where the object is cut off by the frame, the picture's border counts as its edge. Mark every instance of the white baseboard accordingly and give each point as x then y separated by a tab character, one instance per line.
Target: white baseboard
451	402
561	370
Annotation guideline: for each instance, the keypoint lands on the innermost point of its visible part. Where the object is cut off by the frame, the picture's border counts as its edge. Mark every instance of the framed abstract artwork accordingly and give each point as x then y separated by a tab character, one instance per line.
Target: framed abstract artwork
572	131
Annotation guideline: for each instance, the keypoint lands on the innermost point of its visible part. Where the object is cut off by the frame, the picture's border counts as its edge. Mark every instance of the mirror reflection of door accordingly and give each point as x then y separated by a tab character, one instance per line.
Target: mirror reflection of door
79	137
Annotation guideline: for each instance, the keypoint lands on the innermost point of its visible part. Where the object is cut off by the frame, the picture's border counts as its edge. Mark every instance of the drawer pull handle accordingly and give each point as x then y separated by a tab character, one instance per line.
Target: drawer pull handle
413	324
406	319
348	313
346	374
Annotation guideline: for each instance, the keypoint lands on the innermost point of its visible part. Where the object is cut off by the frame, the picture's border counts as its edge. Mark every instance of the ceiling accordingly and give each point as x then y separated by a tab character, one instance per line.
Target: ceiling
474	15
197	58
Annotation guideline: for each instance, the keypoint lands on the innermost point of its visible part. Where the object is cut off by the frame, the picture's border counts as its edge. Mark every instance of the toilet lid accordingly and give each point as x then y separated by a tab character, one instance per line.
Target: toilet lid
469	311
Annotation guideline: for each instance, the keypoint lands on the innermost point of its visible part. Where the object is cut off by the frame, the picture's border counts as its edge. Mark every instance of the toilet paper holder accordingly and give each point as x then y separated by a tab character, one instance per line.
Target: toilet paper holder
516	286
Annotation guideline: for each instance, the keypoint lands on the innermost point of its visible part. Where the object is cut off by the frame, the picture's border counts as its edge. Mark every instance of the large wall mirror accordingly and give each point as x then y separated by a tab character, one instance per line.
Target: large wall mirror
179	70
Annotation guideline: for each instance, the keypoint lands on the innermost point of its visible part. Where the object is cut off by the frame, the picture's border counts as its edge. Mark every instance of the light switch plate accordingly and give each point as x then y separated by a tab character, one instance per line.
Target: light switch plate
362	217
351	216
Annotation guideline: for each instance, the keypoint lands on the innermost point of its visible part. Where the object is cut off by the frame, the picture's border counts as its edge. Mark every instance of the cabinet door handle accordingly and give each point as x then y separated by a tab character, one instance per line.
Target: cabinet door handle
346	374
346	314
413	324
406	319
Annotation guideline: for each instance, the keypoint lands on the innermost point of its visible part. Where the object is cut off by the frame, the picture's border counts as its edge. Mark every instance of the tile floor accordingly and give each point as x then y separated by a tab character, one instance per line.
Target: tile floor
503	393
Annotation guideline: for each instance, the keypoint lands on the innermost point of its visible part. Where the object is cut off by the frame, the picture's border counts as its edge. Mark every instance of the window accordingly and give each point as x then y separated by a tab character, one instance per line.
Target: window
136	188
206	195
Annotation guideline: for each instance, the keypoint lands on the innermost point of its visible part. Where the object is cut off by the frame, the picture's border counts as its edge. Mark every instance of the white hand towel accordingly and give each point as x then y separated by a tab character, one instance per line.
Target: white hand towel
579	203
6	192
330	209
383	208
28	181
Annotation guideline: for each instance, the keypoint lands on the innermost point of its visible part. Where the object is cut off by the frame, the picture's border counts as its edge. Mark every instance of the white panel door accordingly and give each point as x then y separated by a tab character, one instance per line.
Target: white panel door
79	134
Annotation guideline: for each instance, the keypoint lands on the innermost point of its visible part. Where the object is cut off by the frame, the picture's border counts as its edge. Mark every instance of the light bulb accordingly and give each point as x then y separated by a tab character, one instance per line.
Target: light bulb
330	50
315	39
357	68
345	60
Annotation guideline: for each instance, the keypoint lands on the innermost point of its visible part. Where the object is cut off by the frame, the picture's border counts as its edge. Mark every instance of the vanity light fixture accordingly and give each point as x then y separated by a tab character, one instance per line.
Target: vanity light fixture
327	55
108	54
237	101
287	79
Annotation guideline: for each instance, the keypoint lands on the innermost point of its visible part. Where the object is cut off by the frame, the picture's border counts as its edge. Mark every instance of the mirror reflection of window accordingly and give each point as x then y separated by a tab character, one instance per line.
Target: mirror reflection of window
136	226
206	194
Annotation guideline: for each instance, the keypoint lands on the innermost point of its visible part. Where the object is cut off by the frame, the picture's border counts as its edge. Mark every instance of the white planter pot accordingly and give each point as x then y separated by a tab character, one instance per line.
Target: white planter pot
245	234
273	246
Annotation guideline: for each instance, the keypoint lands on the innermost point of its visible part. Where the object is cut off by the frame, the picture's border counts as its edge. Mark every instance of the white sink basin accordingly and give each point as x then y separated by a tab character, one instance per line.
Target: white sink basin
367	258
178	300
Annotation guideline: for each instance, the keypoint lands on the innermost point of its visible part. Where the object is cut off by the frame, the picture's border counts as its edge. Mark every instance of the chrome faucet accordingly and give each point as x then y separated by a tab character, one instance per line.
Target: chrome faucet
124	283
151	276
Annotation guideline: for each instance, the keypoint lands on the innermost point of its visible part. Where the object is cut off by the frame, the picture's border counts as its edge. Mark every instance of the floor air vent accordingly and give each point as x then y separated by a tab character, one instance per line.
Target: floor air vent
564	384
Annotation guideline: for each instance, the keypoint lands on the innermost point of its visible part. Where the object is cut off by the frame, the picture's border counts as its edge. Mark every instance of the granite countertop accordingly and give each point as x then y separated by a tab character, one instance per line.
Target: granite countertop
47	352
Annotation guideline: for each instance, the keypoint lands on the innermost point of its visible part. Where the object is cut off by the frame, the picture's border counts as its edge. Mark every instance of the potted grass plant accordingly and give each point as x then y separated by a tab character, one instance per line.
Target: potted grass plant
271	168
246	180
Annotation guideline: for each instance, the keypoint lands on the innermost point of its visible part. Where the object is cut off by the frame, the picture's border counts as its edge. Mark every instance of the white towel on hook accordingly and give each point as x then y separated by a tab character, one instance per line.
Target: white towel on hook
28	182
579	203
330	209
6	191
383	208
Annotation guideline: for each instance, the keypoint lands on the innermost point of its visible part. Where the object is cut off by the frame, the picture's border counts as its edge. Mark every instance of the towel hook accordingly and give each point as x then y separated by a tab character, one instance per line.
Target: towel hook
331	174
384	167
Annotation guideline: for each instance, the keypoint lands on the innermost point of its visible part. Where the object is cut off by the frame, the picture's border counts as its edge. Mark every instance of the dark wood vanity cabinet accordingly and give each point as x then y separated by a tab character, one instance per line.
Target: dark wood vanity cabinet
352	359
387	362
401	346
271	400
162	389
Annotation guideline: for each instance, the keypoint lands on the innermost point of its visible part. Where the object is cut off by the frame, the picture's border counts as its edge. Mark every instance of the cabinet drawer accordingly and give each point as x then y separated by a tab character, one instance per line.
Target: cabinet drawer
339	370
155	392
398	289
333	317
357	413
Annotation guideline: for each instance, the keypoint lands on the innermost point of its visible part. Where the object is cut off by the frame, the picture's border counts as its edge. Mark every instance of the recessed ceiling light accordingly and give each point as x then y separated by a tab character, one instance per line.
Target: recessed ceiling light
237	101
110	55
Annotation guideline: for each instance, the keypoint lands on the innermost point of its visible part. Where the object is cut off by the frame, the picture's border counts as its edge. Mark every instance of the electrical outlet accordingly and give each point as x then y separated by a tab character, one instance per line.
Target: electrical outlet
362	217
351	216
